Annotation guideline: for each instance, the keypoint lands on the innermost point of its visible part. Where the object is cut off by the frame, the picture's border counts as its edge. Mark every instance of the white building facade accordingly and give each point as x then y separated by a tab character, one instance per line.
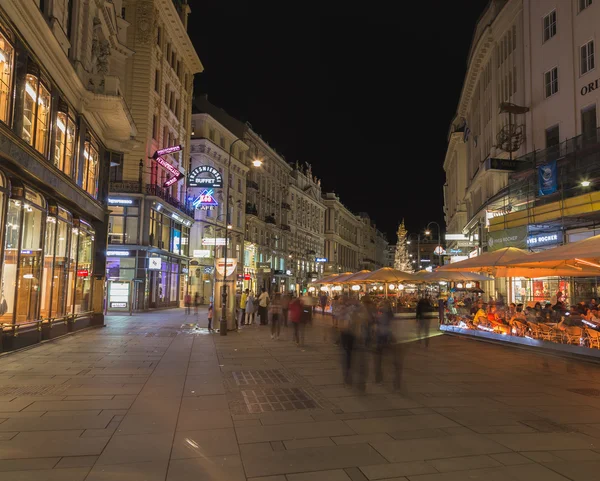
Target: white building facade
343	233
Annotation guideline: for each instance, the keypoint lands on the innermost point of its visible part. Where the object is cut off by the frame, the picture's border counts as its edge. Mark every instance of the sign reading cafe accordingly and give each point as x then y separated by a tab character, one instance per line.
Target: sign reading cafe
205	176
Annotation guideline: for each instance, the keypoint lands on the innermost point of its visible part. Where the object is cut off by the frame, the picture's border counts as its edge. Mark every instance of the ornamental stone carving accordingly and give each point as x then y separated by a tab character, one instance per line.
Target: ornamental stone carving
145	22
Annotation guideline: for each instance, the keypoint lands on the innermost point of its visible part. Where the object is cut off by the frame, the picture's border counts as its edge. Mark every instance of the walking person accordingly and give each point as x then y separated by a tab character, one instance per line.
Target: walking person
210	316
423	320
263	303
196	303
323	302
285	305
275	316
187	300
250	308
243	303
295	312
382	338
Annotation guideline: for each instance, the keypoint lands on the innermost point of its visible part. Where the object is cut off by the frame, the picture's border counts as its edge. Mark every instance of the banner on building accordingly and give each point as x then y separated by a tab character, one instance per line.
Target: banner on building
514	237
547	178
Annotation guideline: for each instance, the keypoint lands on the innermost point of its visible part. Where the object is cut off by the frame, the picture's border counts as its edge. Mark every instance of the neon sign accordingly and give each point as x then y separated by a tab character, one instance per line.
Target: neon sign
173	180
205	201
168	166
165	151
205	176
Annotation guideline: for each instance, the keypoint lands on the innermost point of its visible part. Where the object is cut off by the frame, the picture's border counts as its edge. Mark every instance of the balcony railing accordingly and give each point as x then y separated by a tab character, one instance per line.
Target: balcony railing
250	184
286	206
251	209
134	187
269	219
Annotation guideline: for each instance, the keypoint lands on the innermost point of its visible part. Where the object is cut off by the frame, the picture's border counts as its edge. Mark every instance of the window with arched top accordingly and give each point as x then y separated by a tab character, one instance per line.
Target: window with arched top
7	55
36	110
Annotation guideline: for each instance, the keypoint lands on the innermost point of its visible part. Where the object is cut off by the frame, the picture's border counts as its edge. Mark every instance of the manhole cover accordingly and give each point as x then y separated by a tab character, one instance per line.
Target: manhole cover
33	390
284	399
586	391
268	376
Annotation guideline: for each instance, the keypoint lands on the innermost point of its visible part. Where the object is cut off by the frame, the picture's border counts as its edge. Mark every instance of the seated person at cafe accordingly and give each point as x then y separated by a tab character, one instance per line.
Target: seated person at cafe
480	316
592	305
531	315
520	314
547	312
571	319
537	307
512	310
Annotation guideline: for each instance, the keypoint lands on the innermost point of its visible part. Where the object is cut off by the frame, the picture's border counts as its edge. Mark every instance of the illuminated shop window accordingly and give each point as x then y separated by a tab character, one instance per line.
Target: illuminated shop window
64	148
6	74
90	169
83	283
36	113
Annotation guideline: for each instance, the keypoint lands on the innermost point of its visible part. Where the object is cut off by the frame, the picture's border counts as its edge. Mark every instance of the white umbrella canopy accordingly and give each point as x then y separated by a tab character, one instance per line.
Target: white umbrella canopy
326	279
335	278
387	274
486	262
456	277
581	255
357	277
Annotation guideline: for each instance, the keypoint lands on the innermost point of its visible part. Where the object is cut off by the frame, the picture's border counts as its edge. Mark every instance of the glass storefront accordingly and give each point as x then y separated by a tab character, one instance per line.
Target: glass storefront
46	273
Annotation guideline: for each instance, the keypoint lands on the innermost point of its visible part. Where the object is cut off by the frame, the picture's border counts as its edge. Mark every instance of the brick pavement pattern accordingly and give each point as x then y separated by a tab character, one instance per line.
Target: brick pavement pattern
152	398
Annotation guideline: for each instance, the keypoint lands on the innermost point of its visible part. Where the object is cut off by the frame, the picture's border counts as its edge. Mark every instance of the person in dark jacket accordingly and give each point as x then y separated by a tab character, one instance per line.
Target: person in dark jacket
423	309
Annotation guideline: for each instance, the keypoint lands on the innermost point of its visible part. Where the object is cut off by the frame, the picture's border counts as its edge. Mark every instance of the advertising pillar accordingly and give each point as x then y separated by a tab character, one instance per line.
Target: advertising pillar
226	284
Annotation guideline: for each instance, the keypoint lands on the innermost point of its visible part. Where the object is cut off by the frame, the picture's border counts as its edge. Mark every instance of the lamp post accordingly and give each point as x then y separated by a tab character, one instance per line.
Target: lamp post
224	293
428	232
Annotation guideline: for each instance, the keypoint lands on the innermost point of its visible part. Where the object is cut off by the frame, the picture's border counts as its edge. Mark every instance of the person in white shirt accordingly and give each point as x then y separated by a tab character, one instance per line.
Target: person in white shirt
263	302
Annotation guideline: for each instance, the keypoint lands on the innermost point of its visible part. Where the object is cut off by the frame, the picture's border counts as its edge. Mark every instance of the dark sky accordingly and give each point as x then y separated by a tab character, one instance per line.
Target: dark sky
366	99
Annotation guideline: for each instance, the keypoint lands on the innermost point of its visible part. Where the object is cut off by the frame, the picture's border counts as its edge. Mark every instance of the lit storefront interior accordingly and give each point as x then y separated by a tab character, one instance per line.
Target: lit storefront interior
159	271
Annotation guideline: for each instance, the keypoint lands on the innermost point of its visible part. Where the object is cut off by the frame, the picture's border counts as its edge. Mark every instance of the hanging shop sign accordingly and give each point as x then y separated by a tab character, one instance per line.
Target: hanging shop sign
118	295
205	176
201	253
515	237
173	180
231	265
167	150
113	201
118	253
83	273
546	239
547	178
211	241
246	277
321	259
154	263
176	175
504	165
439	250
205	201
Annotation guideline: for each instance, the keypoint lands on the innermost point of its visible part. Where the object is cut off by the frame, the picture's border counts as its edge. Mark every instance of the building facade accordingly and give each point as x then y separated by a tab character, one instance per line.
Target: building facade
372	244
150	221
210	148
306	214
63	120
525	175
343	234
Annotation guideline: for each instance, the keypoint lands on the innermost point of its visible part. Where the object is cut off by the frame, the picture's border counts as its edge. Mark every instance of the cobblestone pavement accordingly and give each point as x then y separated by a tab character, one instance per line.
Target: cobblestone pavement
153	398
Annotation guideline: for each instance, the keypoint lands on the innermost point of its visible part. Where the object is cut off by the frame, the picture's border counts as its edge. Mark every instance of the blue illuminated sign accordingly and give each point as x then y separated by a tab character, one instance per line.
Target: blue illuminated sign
206	200
321	259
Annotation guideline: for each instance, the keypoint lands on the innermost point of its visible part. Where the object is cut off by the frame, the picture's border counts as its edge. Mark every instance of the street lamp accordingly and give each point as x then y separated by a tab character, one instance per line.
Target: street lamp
257	163
418	236
428	232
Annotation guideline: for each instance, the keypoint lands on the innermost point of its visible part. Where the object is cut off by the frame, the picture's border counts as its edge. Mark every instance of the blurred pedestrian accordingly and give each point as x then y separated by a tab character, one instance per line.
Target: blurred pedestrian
275	316
187	300
336	305
250	308
285	305
347	337
210	316
296	310
383	333
423	310
323	302
263	303
196	303
243	303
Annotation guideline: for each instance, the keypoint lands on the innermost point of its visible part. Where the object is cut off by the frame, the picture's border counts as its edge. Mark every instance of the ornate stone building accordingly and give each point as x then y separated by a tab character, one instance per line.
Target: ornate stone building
342	236
63	121
150	219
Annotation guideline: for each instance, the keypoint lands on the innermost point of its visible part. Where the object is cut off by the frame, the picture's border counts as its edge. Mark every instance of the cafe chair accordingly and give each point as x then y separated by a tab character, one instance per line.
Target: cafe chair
593	337
573	335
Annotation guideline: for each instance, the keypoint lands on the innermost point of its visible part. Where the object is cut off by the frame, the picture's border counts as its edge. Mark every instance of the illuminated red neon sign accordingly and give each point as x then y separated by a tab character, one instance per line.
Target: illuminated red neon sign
167	150
173	180
83	273
170	168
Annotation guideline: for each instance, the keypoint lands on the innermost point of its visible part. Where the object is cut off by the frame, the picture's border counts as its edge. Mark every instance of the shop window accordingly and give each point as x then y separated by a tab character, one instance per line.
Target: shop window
6	75
185	241
60	271
83	283
9	268
64	147
36	113
123	225
89	179
174	284
176	241
49	245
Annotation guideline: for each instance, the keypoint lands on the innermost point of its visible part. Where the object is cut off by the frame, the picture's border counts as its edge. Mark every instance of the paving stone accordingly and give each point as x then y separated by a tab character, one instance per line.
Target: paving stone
282	432
54	423
463	463
329	475
27	464
308	443
215	402
526	472
136	448
148	471
400	423
69	474
544	441
77	462
510	459
389	470
206	469
195	420
208	442
311	459
576	470
77	405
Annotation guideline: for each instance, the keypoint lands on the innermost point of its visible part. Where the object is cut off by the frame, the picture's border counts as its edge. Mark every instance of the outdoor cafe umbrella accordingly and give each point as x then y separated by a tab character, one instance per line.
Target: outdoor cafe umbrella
387	274
513	262
326	279
357	277
456	276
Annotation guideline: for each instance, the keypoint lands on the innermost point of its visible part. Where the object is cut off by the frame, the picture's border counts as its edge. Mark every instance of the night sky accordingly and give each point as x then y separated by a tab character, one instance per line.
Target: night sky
367	100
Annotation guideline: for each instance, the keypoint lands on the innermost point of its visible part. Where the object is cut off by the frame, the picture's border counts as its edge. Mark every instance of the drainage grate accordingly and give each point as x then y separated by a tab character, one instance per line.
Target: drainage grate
586	391
284	399
33	390
269	376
